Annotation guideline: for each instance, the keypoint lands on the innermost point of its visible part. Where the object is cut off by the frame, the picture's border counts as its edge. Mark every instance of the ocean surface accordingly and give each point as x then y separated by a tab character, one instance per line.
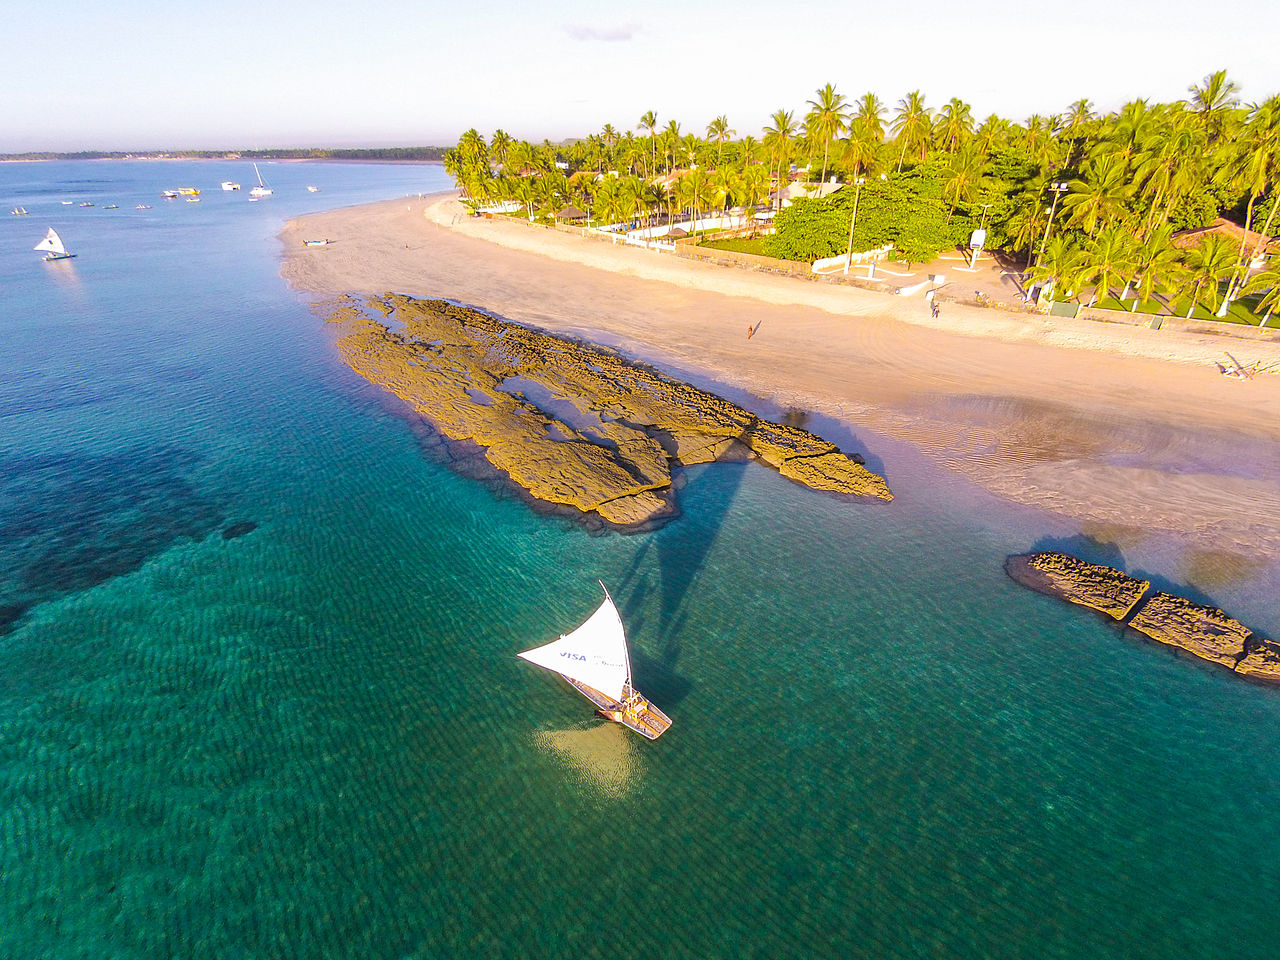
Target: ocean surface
259	694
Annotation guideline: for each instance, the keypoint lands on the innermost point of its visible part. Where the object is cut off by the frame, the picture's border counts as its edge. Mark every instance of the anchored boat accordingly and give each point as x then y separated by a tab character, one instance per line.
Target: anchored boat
595	661
261	190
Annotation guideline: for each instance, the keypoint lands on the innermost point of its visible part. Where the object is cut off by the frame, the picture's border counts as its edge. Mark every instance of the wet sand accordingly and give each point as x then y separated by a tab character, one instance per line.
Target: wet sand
1124	429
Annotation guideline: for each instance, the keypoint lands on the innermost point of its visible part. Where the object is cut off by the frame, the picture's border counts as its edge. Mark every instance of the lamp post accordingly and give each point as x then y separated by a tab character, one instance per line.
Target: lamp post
848	257
1058	188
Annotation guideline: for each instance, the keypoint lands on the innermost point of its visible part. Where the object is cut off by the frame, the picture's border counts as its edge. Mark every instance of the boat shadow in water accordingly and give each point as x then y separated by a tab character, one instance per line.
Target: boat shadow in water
681	551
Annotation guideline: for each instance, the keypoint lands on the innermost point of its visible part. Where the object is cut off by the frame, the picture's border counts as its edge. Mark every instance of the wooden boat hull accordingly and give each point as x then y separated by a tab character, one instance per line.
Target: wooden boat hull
638	715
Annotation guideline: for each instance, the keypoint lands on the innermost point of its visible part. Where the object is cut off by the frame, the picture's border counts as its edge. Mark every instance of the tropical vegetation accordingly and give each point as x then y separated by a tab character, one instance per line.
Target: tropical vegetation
1088	205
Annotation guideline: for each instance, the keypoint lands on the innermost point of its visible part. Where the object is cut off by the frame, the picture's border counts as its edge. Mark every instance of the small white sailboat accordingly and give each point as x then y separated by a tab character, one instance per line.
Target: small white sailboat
311	189
261	190
53	247
594	659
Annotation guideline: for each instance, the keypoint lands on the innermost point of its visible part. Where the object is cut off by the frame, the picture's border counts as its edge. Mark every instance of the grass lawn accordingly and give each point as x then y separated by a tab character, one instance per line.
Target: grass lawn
735	245
1239	312
1147	306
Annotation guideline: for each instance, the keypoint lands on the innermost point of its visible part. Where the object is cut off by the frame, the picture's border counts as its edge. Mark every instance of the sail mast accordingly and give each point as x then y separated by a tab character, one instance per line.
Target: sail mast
626	654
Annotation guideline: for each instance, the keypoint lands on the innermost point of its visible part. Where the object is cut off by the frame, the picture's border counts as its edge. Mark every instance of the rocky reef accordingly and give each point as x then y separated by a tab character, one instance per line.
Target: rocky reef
572	424
1203	631
1092	585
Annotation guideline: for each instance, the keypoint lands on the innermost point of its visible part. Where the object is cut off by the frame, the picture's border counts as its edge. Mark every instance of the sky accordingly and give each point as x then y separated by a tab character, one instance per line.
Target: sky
146	75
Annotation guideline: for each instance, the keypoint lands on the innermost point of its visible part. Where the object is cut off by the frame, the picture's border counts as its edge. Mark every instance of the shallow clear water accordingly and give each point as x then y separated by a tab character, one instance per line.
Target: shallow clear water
258	691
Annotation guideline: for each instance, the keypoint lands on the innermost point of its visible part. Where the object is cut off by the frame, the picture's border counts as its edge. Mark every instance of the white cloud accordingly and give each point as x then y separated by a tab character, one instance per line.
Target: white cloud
619	33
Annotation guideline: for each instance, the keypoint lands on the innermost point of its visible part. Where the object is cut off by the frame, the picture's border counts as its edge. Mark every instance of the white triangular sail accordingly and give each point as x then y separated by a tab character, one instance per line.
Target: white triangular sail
595	654
52	243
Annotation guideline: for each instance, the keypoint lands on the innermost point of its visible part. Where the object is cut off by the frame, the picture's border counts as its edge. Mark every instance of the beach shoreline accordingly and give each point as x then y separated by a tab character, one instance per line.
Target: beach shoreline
1124	429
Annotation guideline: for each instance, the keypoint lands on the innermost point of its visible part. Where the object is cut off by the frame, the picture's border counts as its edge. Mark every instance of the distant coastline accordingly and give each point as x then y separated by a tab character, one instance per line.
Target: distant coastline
346	155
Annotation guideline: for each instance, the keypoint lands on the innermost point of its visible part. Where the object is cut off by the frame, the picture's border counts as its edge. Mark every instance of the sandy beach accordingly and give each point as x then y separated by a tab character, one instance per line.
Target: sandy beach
1125	429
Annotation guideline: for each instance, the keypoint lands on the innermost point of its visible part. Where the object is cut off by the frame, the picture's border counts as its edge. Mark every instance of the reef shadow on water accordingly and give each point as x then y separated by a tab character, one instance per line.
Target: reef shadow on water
69	522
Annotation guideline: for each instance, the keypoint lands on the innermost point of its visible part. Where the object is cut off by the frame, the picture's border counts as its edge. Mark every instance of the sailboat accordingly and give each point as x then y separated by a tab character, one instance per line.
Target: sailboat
53	247
261	190
594	659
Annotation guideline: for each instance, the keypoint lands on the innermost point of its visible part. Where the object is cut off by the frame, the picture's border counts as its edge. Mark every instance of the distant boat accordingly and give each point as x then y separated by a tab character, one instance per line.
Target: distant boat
67	203
188	191
169	194
53	247
311	189
316	243
87	203
19	211
595	661
230	185
261	190
143	206
111	206
192	199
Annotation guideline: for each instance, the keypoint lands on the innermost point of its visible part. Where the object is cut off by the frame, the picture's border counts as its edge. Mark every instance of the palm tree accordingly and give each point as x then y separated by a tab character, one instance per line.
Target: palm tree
993	131
778	138
472	147
870	114
1100	196
649	121
755	184
728	186
1209	263
825	120
718	130
1257	169
1156	264
955	123
1078	114
671	142
1062	265
911	125
1109	262
861	150
499	143
1213	101
964	175
1027	225
527	192
1268	284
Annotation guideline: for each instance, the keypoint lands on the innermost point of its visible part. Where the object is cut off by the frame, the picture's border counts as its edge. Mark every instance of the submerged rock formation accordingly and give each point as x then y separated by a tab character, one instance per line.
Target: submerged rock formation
1092	585
1203	631
1210	634
571	424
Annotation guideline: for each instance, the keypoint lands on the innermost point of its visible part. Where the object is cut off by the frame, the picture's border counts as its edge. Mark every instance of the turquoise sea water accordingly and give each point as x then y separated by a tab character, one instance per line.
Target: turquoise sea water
259	698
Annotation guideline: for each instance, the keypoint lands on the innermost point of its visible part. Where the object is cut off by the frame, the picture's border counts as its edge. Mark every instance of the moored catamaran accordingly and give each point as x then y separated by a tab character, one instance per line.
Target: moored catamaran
594	659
